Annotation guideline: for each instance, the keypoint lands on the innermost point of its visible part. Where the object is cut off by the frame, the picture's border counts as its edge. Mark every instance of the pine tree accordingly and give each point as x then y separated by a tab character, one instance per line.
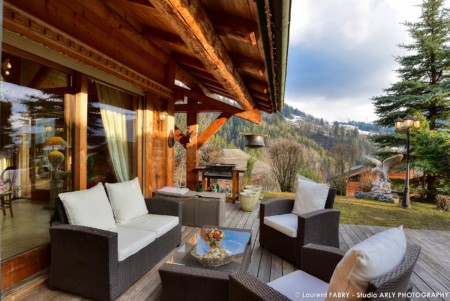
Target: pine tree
424	84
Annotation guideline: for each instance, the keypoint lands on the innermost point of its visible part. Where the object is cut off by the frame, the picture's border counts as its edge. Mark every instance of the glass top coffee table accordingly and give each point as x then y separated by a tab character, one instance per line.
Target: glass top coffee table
183	277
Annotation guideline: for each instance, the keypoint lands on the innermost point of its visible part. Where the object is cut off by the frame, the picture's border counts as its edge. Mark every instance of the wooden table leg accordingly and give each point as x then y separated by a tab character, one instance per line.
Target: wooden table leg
234	186
203	182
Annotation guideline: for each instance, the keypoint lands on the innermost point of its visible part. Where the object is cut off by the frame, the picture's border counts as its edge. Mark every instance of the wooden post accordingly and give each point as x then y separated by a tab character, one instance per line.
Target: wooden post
170	122
147	132
192	152
80	132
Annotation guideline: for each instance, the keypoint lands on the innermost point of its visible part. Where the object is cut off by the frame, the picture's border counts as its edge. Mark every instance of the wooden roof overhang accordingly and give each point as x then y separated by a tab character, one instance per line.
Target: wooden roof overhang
235	49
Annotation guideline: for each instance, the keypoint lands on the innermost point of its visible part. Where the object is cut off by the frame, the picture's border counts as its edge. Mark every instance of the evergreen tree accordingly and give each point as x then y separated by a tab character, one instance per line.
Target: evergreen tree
424	85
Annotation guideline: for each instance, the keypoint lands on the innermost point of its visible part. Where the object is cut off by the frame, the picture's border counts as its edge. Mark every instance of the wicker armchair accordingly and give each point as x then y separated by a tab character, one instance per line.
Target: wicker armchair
318	227
321	262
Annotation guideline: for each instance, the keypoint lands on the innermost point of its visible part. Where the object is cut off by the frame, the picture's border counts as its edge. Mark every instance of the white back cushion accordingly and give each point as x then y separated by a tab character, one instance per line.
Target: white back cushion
89	208
127	201
371	258
310	196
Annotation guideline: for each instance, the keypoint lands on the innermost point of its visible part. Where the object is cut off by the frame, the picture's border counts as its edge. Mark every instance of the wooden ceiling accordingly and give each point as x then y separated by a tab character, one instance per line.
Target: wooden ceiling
217	45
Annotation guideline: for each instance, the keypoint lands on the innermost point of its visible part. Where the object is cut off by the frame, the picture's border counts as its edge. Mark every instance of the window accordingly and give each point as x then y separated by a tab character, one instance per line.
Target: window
112	142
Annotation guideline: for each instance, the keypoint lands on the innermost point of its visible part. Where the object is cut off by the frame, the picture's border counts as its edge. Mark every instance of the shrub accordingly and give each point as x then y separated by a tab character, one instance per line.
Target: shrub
443	202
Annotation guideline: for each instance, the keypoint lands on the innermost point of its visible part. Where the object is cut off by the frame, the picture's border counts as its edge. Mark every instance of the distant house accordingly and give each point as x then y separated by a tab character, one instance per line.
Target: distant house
358	176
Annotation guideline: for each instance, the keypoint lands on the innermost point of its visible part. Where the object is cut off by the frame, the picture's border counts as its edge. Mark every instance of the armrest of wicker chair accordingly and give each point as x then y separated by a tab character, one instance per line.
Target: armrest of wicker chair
244	287
164	206
276	206
319	227
320	261
93	249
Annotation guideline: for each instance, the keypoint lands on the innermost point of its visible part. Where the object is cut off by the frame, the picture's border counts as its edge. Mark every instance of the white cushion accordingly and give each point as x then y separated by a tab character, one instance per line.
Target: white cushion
285	223
130	241
371	258
300	286
89	208
127	201
310	196
160	224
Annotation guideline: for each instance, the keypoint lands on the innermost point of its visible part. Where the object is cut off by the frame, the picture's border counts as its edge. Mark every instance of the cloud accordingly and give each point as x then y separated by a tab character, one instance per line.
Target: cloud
342	54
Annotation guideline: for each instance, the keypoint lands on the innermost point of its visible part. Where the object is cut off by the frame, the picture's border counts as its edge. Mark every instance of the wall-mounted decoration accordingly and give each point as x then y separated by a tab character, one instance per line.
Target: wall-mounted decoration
171	139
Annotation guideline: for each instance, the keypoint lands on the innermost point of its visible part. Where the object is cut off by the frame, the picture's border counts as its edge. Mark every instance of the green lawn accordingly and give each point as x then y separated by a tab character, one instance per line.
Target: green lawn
376	213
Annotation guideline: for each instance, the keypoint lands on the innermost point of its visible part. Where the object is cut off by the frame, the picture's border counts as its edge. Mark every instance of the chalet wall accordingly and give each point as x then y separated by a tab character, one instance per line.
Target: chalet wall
352	187
110	60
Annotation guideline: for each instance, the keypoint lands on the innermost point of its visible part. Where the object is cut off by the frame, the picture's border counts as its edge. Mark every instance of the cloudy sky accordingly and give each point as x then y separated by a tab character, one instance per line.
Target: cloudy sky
341	54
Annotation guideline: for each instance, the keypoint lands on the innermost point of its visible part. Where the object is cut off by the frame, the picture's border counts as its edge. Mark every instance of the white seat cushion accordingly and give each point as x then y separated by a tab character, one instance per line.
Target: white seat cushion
310	196
371	258
160	224
285	223
131	241
300	286
89	208
127	201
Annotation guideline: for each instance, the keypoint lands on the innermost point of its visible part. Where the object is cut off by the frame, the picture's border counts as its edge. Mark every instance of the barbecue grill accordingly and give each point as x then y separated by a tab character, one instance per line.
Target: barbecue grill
219	171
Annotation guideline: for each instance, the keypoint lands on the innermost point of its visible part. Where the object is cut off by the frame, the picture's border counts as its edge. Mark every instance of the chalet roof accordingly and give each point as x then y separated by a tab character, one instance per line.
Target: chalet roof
234	49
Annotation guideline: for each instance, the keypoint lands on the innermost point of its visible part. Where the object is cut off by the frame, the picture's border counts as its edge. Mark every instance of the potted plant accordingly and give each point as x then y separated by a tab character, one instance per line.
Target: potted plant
250	195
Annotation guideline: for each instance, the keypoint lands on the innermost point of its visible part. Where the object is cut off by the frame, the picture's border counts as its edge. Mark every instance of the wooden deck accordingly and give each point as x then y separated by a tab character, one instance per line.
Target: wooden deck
431	274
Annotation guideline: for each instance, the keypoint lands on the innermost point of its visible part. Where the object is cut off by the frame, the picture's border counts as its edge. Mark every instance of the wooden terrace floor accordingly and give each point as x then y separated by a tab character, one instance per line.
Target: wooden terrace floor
431	274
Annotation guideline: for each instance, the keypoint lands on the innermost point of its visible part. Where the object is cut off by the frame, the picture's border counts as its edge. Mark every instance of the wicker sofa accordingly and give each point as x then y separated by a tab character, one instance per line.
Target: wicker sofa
84	260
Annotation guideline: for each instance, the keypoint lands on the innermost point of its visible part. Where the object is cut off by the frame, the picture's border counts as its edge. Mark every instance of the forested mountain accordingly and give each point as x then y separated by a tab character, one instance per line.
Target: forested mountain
318	138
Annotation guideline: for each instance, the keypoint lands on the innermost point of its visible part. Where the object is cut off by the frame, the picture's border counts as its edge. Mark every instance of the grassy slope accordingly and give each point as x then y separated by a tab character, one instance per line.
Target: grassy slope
376	213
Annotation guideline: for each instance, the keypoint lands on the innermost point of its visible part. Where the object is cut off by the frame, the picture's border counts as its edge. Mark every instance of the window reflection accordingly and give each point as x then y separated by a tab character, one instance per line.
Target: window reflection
34	102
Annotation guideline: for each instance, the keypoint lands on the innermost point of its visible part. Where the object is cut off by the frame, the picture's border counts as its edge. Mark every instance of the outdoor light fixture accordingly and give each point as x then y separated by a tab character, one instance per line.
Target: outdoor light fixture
407	123
6	67
162	116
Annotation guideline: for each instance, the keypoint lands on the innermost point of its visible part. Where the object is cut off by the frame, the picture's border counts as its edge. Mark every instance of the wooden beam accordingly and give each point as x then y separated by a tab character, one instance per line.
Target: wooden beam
252	84
198	108
192	155
189	61
161	35
243	63
141	2
213	128
235	27
261	96
197	31
248	64
187	78
265	105
254	116
219	92
181	92
256	85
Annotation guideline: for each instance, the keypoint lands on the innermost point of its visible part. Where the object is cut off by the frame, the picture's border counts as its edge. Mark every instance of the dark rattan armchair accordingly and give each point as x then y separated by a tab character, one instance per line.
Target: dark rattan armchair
321	262
318	227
